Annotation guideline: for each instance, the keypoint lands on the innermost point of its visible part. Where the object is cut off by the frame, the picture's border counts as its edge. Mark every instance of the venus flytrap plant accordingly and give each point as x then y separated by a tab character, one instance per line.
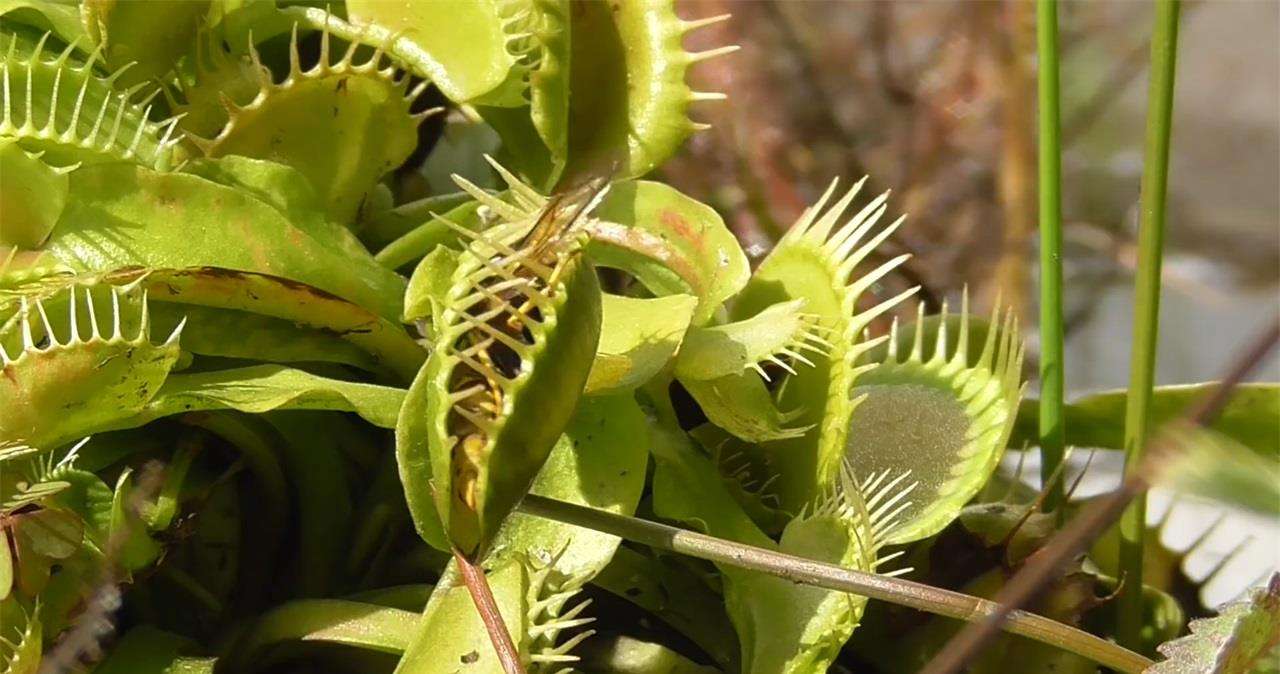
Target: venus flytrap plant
265	212
785	628
598	462
20	640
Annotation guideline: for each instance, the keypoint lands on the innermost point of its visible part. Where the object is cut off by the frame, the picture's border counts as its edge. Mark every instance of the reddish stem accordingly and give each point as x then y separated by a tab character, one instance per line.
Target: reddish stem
478	586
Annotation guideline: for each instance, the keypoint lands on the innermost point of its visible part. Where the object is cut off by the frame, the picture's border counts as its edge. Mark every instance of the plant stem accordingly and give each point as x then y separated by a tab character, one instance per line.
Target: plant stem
1052	431
482	596
800	570
1146	307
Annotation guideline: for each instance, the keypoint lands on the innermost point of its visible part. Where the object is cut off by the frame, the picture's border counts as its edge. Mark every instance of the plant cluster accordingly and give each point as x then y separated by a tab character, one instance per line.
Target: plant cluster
270	397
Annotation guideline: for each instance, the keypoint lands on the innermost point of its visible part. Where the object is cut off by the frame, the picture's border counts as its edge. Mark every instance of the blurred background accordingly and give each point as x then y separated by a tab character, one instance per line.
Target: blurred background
937	101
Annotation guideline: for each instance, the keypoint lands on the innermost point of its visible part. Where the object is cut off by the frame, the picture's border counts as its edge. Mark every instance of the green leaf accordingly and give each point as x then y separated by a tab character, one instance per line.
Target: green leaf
671	243
150	35
336	621
413	461
638	337
88	497
32	196
228	333
63	19
137	549
1242	639
161	515
6	567
599	462
668	587
430	235
460	45
425	300
51	533
688	488
625	655
790	628
121	216
742	405
1250	417
263	388
385	340
285	189
385	223
451	639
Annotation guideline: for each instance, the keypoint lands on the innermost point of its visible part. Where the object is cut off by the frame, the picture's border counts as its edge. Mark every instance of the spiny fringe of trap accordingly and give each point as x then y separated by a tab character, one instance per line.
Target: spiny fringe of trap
123	301
810	336
40	473
22	654
846	246
104	136
1002	352
548	594
870	508
376	65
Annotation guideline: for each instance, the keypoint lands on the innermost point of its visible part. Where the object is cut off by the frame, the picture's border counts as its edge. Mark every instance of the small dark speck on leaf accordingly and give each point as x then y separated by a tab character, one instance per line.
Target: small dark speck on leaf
470	658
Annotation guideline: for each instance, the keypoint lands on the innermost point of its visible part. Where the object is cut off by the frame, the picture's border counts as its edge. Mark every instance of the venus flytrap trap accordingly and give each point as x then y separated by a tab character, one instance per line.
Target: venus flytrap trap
815	261
520	294
962	415
21	641
96	369
371	127
785	628
254	381
60	105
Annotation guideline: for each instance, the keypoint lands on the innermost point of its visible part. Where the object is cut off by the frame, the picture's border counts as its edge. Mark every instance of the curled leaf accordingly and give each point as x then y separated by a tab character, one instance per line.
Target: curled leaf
671	243
638	337
32	196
